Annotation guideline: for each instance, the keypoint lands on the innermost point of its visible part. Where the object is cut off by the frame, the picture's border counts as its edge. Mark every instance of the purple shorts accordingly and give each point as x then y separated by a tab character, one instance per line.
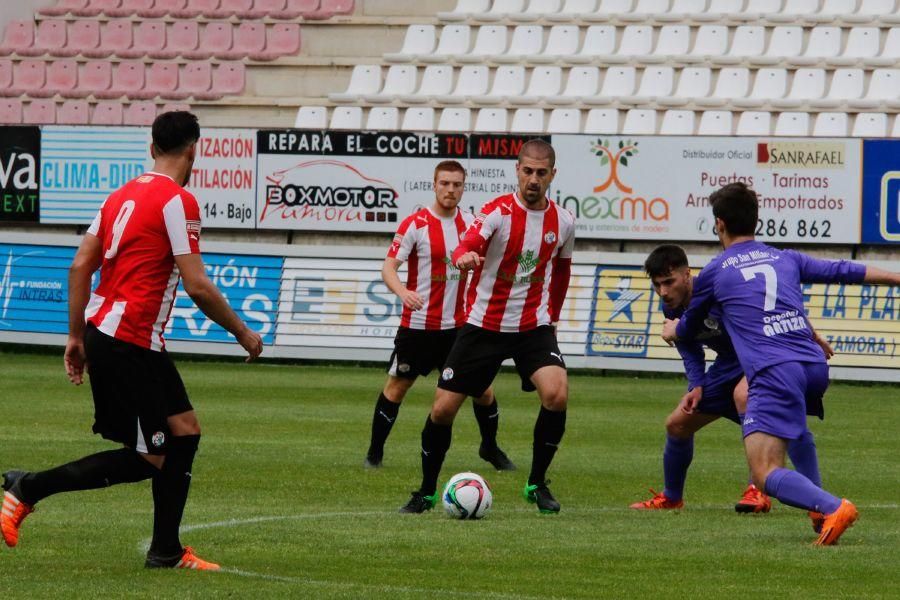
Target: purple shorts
782	395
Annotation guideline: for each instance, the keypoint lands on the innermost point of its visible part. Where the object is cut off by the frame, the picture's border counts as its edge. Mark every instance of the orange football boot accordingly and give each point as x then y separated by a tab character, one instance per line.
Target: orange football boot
657	502
818	519
754	500
837	523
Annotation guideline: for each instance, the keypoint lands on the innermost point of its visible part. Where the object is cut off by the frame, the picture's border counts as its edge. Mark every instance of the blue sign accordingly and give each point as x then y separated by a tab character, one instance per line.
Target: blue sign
881	192
621	312
34	288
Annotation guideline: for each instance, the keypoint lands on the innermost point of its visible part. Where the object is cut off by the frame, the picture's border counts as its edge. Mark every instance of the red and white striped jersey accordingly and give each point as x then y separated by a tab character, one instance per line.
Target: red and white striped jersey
143	225
522	248
426	241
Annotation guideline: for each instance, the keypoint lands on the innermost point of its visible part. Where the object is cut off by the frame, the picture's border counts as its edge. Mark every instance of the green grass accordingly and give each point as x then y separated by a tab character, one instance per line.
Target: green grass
284	445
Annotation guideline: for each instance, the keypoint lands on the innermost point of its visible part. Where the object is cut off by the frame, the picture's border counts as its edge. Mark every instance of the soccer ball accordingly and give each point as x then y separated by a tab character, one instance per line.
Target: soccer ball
467	496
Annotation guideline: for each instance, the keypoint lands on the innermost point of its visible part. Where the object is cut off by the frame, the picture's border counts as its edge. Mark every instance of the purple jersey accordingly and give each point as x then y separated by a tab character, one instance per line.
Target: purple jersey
713	335
758	288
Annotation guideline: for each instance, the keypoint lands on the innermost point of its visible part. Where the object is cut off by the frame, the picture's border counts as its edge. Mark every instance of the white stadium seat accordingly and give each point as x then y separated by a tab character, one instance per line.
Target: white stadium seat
831	124
770	84
418	119
526	40
581	83
824	42
346	117
693	82
508	82
465	9
617	82
715	122
454	40
499	10
808	84
656	82
846	84
545	82
490	40
455	119
491	120
564	120
473	81
365	79
733	82
537	9
639	122
785	41
562	42
383	118
399	81
437	80
599	40
602	120
791	124
528	120
711	40
870	125
311	117
677	122
419	40
754	123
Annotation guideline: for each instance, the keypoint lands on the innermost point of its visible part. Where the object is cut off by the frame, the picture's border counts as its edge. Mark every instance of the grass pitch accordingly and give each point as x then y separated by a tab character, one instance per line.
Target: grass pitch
280	497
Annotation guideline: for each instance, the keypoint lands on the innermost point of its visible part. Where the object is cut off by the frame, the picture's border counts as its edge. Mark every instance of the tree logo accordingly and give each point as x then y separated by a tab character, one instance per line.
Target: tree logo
614	157
528	261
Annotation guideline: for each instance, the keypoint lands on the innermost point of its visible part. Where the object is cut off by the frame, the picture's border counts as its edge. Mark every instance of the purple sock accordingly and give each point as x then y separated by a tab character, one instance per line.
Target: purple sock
676	459
802	452
794	489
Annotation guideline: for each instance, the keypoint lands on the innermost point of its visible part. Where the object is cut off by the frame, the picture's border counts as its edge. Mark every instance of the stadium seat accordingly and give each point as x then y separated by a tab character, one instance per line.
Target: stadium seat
677	122
93	76
674	40
711	40
572	10
733	82
862	43
18	38
287	9
693	82
162	8
770	84
754	10
29	77
383	118
619	81
472	81
656	82
562	43
831	124
681	10
508	82
39	112
639	122
789	124
195	79
139	113
215	39
127	80
10	111
233	8
465	9
399	81
128	8
264	8
84	35
490	41
609	9
62	7
537	9
97	7
499	10
599	40
420	39
637	40
583	82
62	77
564	120
149	39
846	84
228	79
491	120
719	11
195	8
890	53
329	8
50	38
545	82
870	125
303	8
418	119
182	37
792	9
455	120
748	41
644	10
346	117
869	11
249	42
365	79
715	122
808	84
602	120
754	123
824	42
283	39
115	37
883	91
437	80
784	42
107	112
526	40
831	10
73	112
6	76
311	117
454	41
527	120
162	81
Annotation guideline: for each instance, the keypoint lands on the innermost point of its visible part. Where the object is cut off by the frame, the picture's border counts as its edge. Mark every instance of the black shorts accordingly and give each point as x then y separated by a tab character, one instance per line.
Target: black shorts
135	391
478	353
418	352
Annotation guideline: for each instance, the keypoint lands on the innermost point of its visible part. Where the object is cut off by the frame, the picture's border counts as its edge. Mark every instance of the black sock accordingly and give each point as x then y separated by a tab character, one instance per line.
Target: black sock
170	492
435	443
91	472
548	432
382	422
488	418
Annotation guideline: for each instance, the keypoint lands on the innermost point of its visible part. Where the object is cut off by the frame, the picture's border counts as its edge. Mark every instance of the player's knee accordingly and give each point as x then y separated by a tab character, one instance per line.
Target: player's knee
442	414
556	399
396	388
676	428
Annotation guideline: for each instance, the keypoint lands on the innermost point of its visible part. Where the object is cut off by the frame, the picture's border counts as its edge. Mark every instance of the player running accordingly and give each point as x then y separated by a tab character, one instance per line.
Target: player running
145	236
720	391
759	290
433	311
523	243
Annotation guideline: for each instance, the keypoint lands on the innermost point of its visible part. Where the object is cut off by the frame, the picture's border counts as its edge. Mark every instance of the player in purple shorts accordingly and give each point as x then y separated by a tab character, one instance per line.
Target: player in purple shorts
759	290
720	391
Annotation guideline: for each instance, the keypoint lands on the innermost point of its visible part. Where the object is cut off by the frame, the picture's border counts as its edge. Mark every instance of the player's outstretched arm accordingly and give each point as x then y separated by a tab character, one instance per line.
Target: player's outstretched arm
880	276
86	261
410	298
209	299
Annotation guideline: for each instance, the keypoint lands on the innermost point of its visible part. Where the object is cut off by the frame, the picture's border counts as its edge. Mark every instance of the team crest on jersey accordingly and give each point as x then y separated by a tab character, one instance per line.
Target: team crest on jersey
447	375
527	260
158	439
403	368
549	237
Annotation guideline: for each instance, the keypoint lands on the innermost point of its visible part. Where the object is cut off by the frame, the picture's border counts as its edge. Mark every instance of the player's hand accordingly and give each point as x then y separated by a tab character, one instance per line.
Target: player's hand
412	300
668	332
251	342
469	260
823	343
689	401
74	359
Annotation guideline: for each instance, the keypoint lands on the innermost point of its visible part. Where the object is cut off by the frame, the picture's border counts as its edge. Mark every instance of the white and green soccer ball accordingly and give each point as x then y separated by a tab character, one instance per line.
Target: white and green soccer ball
467	496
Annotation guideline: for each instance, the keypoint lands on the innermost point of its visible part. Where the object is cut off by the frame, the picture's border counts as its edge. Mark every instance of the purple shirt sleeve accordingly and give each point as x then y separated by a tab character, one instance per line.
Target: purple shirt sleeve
814	270
701	301
694	360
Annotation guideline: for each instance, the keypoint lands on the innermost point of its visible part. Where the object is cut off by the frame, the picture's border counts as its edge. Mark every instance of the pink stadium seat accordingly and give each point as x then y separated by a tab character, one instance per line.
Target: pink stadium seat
215	40
249	39
84	35
19	39
127	80
329	8
140	113
95	7
195	8
298	8
39	112
6	76
162	80
282	39
162	8
149	37
196	79
230	8
172	106
129	8
267	8
228	78
62	7
115	37
107	112
10	111
95	76
182	37
29	77
51	37
62	77
73	112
